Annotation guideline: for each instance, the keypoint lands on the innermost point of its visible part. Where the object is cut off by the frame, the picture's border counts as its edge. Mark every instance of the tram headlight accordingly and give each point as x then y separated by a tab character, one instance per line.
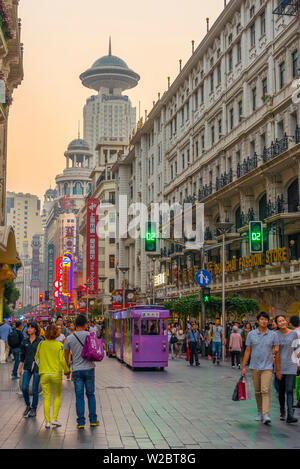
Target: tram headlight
164	346
136	346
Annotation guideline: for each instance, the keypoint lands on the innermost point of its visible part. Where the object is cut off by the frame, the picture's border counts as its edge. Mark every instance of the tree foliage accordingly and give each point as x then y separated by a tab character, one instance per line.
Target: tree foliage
11	296
236	307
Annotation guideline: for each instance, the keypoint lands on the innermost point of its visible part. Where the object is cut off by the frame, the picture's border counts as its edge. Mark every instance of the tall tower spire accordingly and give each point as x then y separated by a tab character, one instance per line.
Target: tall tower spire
109	48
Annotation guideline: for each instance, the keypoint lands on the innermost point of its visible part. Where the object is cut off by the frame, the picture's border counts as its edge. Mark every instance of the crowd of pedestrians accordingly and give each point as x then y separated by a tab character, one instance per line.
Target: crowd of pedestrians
44	351
269	349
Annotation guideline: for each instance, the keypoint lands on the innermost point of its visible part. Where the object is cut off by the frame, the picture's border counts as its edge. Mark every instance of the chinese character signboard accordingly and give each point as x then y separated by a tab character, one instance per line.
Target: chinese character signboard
92	246
58	282
66	204
67	277
35	270
50	266
69	239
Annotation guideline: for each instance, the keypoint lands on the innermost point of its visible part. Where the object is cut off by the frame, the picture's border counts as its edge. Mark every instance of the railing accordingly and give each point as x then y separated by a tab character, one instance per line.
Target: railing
245	218
175	248
191	199
249	164
223	180
275	208
287	8
109	201
101	178
276	148
205	191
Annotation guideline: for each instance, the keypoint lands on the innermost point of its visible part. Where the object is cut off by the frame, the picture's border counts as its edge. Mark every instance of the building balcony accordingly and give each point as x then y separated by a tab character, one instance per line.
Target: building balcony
224	179
249	164
276	148
205	191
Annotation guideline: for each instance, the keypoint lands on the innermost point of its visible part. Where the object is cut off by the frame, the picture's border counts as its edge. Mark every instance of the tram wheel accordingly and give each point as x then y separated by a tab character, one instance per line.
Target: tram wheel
162	368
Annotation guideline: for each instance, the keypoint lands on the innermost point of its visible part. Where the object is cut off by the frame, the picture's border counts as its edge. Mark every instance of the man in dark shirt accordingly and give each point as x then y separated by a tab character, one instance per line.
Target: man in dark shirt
28	368
15	339
193	339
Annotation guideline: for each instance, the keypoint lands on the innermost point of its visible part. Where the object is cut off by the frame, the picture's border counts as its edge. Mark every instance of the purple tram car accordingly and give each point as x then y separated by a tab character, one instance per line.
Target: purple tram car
141	336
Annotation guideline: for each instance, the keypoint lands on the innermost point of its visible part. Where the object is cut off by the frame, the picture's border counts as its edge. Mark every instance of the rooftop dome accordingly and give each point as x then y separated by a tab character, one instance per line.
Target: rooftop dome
109	72
78	144
110	61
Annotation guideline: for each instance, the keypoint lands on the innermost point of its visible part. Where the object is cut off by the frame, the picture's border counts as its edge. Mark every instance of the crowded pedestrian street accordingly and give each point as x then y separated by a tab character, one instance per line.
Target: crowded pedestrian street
182	407
149	229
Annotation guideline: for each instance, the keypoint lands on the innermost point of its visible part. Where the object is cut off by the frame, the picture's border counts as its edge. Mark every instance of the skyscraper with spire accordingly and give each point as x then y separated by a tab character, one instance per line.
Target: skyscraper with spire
108	115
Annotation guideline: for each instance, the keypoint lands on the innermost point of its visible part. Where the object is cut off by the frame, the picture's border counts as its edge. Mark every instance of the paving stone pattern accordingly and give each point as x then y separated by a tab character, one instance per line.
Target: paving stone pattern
182	407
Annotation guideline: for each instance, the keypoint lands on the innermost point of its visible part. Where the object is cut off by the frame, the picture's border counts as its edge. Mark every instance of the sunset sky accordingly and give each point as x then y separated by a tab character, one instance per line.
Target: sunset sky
62	38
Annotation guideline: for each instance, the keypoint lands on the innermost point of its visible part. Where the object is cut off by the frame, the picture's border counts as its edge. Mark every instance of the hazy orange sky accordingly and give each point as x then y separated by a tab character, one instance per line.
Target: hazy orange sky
62	38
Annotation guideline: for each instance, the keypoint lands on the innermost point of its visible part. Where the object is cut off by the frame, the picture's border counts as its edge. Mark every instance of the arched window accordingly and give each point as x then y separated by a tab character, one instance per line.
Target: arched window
263	207
293	196
78	189
66	189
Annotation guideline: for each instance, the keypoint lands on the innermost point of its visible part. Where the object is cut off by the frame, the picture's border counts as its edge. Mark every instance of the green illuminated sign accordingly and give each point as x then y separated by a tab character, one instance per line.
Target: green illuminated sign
256	237
151	237
206	294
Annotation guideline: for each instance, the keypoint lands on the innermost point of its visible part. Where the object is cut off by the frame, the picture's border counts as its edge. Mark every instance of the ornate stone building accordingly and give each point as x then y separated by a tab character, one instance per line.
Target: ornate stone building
11	72
226	134
61	208
103	189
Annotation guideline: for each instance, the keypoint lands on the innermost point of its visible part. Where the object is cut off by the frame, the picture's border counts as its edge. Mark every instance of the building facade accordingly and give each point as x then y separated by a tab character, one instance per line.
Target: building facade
60	211
23	213
226	134
11	76
103	189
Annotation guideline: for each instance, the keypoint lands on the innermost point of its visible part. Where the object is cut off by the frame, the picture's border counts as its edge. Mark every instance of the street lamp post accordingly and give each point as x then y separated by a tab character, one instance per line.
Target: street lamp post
102	279
153	256
124	270
87	286
223	227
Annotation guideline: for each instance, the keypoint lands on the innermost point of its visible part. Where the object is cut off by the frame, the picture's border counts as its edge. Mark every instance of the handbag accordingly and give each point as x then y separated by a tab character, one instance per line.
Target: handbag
173	339
242	390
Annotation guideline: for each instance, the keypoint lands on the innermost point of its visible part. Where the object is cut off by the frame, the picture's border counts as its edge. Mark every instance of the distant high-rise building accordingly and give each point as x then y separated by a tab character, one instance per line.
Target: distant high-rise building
23	214
109	115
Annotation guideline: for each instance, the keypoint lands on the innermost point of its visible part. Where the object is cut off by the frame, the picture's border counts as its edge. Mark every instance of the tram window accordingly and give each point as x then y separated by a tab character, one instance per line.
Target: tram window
150	327
136	327
164	327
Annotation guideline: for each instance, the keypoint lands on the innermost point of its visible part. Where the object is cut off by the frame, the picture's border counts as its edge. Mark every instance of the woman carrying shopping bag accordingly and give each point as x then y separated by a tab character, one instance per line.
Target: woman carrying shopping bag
51	361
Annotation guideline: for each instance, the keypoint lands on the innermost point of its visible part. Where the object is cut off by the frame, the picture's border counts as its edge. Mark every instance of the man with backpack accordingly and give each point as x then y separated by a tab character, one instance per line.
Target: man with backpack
83	372
15	339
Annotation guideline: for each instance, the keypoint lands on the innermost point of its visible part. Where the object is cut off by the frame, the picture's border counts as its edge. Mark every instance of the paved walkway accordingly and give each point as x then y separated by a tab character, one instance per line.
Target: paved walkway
180	408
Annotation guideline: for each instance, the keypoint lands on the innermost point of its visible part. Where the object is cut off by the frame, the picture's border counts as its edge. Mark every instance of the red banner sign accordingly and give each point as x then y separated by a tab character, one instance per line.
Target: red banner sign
92	246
